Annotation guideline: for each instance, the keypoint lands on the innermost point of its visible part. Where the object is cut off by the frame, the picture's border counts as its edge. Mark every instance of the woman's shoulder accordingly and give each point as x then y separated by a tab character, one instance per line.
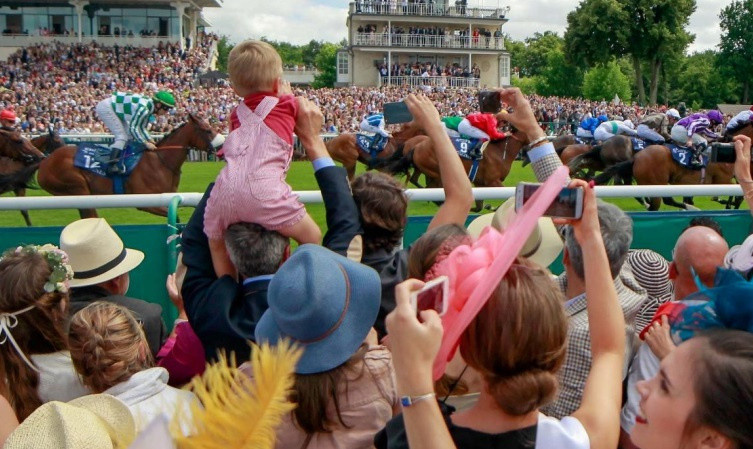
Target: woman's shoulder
566	433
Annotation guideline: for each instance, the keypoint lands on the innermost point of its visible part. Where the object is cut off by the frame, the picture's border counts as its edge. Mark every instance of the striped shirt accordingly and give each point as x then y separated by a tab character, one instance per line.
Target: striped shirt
375	120
134	110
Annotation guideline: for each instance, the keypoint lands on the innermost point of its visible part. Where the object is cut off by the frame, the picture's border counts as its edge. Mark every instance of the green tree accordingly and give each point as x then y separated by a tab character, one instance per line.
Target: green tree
517	52
701	84
289	53
603	82
223	50
527	85
559	77
310	51
326	63
737	42
537	48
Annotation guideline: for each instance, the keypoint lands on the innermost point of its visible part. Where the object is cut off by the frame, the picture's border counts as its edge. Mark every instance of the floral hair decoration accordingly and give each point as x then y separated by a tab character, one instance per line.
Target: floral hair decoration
60	273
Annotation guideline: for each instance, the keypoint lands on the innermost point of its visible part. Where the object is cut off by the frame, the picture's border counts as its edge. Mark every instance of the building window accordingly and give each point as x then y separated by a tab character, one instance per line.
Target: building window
504	67
342	63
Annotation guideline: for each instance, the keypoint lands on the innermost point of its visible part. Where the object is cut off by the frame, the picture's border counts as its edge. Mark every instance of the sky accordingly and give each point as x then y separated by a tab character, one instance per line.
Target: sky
299	21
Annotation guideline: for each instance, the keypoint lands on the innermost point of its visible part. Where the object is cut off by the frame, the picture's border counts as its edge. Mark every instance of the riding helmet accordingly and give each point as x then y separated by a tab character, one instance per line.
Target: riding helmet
166	98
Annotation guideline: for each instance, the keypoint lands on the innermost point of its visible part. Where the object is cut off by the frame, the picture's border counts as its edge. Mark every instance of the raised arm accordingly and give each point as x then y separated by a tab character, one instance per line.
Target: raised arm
599	411
457	187
742	168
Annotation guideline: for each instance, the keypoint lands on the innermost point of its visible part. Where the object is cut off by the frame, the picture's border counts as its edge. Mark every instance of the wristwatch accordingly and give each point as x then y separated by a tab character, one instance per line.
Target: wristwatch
407	401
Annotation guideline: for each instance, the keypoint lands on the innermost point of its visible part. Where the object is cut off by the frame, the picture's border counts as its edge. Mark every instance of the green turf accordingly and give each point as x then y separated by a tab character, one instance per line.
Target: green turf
196	176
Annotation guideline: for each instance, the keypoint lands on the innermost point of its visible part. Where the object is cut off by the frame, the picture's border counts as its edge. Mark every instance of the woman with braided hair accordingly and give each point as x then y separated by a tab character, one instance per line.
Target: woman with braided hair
110	353
35	365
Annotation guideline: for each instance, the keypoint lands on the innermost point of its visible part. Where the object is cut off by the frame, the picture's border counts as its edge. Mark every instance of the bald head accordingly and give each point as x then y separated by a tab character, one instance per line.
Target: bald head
701	248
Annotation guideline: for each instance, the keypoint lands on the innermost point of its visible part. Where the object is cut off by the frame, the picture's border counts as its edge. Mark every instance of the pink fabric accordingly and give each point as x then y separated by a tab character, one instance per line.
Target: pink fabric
281	119
252	188
182	355
474	271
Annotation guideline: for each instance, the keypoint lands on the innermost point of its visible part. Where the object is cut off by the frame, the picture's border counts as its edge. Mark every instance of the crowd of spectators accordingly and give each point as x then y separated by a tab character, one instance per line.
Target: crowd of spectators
540	357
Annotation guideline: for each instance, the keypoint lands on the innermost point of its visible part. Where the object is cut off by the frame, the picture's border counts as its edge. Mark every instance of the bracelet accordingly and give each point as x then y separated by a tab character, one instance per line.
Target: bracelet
537	142
407	401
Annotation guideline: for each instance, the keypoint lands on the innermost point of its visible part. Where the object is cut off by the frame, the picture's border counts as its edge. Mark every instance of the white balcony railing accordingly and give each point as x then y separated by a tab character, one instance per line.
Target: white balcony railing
427	40
398	8
23	40
434	81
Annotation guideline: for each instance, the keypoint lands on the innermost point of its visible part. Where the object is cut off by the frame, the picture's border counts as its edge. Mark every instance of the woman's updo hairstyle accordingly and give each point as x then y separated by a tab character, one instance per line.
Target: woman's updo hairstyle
107	345
517	341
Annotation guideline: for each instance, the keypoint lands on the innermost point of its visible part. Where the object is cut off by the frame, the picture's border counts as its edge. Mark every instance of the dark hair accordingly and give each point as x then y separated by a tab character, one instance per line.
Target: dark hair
424	251
707	222
312	394
517	341
255	251
723	386
39	331
383	208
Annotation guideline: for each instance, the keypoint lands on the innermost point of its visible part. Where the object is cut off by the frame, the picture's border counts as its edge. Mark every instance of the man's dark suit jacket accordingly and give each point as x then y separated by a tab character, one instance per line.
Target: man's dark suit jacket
149	314
223	312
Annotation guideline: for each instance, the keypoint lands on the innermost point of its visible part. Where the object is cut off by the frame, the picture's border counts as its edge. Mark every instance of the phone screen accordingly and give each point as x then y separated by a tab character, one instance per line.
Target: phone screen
397	112
724	152
431	298
563	206
489	101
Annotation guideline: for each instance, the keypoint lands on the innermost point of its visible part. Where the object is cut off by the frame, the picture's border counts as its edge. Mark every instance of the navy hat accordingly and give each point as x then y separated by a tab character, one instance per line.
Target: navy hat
323	302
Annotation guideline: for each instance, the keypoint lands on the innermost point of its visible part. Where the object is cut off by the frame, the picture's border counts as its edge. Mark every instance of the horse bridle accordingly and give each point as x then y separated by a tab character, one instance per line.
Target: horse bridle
24	158
176	170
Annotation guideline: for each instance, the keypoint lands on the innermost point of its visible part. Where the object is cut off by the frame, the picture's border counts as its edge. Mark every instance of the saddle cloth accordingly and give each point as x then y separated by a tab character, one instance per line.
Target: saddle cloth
364	142
96	159
638	144
583	141
684	157
464	147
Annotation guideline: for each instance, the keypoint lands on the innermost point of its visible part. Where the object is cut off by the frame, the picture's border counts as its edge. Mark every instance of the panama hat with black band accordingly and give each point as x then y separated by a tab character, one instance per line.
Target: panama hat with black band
96	252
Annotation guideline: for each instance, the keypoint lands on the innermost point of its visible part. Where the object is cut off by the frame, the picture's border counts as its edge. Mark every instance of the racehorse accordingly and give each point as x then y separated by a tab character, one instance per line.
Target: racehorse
418	153
157	172
345	150
15	177
49	142
654	165
587	159
15	147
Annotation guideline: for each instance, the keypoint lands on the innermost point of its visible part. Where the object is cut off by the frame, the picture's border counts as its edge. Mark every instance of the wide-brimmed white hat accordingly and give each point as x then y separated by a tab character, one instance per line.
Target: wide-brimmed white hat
542	247
95	421
740	257
96	253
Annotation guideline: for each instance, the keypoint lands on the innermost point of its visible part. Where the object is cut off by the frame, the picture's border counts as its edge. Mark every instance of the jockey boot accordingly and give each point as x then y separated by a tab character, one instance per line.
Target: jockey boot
475	152
698	151
117	163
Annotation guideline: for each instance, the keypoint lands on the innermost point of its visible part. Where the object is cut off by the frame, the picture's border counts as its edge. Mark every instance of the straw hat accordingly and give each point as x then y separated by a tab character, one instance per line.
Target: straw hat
96	421
96	253
542	247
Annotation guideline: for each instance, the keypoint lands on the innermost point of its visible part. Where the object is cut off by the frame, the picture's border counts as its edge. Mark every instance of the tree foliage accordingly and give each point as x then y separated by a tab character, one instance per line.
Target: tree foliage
559	77
326	63
701	84
527	85
223	50
736	21
603	82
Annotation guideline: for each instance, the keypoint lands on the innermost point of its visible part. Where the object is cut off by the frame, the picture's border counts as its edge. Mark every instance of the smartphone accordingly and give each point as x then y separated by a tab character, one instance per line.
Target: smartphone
489	101
723	152
433	296
568	204
397	113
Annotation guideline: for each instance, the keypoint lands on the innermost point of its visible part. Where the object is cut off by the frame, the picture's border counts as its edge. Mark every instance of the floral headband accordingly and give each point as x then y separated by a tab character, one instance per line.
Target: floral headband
60	269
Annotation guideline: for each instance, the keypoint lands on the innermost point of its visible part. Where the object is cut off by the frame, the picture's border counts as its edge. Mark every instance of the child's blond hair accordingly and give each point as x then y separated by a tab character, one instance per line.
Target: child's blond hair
254	65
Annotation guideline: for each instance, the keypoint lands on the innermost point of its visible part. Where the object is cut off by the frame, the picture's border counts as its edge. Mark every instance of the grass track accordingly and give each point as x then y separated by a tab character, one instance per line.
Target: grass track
197	175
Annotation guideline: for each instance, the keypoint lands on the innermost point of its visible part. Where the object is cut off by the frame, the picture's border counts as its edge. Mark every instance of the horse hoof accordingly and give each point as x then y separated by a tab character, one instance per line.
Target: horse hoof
691	207
487	207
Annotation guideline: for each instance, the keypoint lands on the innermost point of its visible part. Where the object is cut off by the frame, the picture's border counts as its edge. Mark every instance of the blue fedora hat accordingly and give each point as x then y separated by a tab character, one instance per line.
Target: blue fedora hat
323	302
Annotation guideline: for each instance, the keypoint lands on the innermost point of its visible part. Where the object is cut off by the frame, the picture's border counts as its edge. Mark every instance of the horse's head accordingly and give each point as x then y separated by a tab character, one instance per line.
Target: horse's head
203	136
14	146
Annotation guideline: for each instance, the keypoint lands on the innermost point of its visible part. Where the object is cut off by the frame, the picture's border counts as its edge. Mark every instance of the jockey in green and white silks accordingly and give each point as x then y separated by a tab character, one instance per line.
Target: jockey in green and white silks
613	128
126	115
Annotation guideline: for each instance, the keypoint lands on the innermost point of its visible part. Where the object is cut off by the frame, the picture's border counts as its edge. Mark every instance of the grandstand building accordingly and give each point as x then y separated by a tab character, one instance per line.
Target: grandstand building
394	42
109	22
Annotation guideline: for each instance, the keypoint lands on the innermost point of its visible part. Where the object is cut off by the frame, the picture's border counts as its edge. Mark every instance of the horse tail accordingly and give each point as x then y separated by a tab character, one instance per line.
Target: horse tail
22	178
622	171
397	164
594	154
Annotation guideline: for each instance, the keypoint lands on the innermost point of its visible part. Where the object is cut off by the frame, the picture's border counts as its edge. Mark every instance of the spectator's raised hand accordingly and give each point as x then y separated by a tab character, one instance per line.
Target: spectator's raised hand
658	338
587	227
425	114
308	123
742	163
521	116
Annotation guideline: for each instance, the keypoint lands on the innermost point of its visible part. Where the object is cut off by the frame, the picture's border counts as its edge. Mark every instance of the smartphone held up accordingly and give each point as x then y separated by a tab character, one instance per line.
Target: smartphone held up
489	101
397	112
568	204
434	295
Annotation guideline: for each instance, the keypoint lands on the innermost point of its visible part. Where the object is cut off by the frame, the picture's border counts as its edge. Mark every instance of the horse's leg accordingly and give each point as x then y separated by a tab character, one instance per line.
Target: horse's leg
689	200
351	171
669	201
25	213
161	211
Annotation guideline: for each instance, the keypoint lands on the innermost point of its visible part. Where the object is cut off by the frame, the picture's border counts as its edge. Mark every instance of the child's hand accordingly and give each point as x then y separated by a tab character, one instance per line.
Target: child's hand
742	162
284	88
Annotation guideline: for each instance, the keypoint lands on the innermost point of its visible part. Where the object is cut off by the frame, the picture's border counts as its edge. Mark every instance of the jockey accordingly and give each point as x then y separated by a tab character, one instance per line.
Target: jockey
740	120
693	130
126	116
8	120
613	128
654	127
374	123
588	126
481	126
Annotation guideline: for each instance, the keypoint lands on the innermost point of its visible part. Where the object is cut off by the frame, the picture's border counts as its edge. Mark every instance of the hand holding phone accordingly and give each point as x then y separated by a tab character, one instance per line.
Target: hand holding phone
433	296
397	112
568	204
489	101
